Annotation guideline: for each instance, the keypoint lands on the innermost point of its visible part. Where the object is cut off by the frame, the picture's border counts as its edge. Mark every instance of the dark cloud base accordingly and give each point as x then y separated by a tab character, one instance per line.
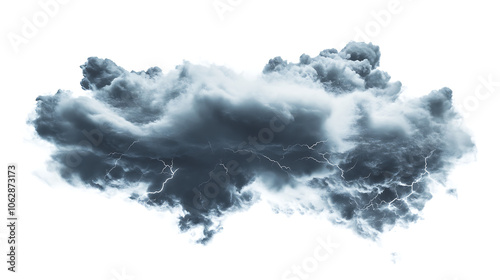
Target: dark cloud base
198	136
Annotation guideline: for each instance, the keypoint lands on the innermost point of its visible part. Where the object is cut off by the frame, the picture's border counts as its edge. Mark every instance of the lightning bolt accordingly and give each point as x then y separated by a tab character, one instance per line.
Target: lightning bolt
405	199
328	162
172	173
224	166
310	147
118	159
282	167
213	170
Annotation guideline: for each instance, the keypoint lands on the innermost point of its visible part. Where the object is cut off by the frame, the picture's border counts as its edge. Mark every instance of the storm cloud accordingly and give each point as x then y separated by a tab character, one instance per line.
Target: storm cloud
328	134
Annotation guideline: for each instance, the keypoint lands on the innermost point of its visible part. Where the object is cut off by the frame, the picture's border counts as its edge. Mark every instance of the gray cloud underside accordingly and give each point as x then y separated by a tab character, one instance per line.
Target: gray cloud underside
198	136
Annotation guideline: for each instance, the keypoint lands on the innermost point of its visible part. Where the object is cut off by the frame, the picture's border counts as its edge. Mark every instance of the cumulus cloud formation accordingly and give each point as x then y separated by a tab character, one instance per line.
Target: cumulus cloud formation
329	134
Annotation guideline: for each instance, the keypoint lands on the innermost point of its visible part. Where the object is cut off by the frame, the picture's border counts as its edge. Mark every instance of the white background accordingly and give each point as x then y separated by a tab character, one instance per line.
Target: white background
69	232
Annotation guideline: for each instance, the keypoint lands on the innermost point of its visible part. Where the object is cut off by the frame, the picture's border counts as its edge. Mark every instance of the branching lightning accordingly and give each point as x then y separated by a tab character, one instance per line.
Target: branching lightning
118	159
172	172
404	199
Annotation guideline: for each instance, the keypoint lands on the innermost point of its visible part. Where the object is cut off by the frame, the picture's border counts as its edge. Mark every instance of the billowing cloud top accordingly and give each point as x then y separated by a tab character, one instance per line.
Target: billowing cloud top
329	134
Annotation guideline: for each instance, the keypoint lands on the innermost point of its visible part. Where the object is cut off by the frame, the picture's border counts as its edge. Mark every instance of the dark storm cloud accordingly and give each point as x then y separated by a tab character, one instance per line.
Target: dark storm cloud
201	139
